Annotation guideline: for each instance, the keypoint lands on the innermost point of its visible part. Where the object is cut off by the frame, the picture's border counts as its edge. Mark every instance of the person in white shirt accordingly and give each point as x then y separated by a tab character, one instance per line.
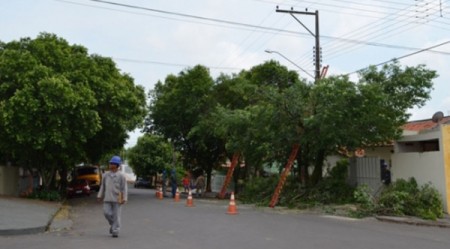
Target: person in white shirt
114	192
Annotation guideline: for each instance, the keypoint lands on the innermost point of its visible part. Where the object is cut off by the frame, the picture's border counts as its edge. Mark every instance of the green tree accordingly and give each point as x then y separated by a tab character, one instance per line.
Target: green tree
322	117
363	114
121	108
249	120
176	107
55	102
262	112
151	154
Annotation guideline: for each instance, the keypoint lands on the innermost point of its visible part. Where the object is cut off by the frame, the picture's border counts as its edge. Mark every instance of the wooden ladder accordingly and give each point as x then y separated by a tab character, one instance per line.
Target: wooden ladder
284	175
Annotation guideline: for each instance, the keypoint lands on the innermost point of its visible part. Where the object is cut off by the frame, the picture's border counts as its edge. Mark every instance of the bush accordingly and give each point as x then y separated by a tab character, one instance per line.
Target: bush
405	197
366	203
431	204
394	203
401	198
46	195
331	190
259	190
334	188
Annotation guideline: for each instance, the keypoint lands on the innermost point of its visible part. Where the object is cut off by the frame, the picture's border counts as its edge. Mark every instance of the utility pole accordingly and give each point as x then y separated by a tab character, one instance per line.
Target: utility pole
317	49
317	60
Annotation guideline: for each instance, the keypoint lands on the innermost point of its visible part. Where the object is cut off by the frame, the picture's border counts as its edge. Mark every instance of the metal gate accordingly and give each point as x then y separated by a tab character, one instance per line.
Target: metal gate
366	170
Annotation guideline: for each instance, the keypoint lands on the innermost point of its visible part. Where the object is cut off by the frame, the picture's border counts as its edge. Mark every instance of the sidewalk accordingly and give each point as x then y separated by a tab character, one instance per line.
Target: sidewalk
26	216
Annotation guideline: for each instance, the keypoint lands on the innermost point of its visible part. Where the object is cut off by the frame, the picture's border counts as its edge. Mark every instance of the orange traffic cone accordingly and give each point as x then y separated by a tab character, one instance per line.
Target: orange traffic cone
177	196
232	207
189	200
160	194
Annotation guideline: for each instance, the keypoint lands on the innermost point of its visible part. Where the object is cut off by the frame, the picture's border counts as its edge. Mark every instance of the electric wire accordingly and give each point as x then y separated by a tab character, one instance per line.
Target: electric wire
371	27
398	30
306	56
402	57
338	49
237	24
243	52
379	35
243	56
171	64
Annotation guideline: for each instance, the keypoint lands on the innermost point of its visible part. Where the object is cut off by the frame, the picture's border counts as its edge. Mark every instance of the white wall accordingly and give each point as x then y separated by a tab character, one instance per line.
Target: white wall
425	167
384	153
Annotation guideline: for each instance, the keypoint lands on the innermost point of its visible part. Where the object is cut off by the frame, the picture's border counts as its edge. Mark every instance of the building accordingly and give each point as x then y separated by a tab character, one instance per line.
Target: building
424	153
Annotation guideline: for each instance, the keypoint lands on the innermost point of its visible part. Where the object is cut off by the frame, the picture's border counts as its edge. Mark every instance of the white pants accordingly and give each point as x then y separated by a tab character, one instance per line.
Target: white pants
112	210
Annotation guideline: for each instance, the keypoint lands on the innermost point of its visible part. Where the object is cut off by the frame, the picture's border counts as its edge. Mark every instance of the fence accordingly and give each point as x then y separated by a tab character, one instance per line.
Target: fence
366	170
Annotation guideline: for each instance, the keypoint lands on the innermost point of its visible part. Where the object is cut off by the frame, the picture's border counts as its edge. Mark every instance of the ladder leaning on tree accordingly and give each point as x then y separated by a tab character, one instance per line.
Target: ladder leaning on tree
284	175
234	162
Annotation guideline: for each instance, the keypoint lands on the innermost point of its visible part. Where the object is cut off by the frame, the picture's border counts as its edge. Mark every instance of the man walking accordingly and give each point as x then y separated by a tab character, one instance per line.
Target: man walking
114	192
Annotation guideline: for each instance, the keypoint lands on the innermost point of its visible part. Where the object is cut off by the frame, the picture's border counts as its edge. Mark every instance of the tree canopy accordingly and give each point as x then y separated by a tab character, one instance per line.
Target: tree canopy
262	112
151	154
177	107
60	106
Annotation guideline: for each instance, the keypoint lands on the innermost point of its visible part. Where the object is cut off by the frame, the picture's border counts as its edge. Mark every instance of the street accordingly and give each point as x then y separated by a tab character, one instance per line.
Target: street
164	224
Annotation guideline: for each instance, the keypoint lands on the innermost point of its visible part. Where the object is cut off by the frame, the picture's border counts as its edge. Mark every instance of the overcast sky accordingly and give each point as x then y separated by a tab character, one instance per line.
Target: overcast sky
150	39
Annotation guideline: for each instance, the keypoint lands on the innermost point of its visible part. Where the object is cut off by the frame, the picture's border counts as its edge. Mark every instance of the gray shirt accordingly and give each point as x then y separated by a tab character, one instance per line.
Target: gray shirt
113	184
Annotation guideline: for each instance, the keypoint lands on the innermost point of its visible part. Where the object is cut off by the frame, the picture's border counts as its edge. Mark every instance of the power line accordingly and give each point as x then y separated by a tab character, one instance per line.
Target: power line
386	32
404	56
262	44
249	25
397	30
400	17
232	24
247	38
171	64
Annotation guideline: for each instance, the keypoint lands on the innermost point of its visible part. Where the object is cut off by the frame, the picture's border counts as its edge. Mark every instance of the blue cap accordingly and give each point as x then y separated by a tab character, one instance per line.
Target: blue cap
115	160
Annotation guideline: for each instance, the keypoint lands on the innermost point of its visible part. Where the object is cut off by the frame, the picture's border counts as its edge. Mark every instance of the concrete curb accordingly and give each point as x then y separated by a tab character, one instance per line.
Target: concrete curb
443	223
23	231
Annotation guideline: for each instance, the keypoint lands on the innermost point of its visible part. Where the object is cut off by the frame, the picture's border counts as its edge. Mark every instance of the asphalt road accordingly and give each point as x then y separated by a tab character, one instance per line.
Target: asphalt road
164	224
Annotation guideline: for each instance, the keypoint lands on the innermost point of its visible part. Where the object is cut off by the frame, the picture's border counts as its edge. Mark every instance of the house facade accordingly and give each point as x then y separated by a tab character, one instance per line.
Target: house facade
424	153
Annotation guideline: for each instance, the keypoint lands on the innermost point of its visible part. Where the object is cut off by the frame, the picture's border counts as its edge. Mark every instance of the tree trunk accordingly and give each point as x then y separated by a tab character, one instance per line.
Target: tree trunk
208	178
318	167
63	180
236	176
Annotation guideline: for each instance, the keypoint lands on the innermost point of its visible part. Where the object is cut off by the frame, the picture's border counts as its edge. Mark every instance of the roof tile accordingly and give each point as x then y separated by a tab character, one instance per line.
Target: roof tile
420	125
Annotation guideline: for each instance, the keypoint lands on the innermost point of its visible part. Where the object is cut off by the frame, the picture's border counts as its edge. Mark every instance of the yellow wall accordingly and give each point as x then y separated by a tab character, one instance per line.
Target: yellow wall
446	151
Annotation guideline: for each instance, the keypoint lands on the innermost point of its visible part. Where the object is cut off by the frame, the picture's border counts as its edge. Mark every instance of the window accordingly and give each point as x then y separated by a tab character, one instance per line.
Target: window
419	146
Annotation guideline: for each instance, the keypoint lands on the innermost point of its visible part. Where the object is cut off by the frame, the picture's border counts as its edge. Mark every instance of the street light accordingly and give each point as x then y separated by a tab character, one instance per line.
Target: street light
280	54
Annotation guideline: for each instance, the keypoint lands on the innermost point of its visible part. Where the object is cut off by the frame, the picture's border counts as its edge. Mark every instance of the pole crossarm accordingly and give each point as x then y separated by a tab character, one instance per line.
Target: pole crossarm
292	12
296	12
317	55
